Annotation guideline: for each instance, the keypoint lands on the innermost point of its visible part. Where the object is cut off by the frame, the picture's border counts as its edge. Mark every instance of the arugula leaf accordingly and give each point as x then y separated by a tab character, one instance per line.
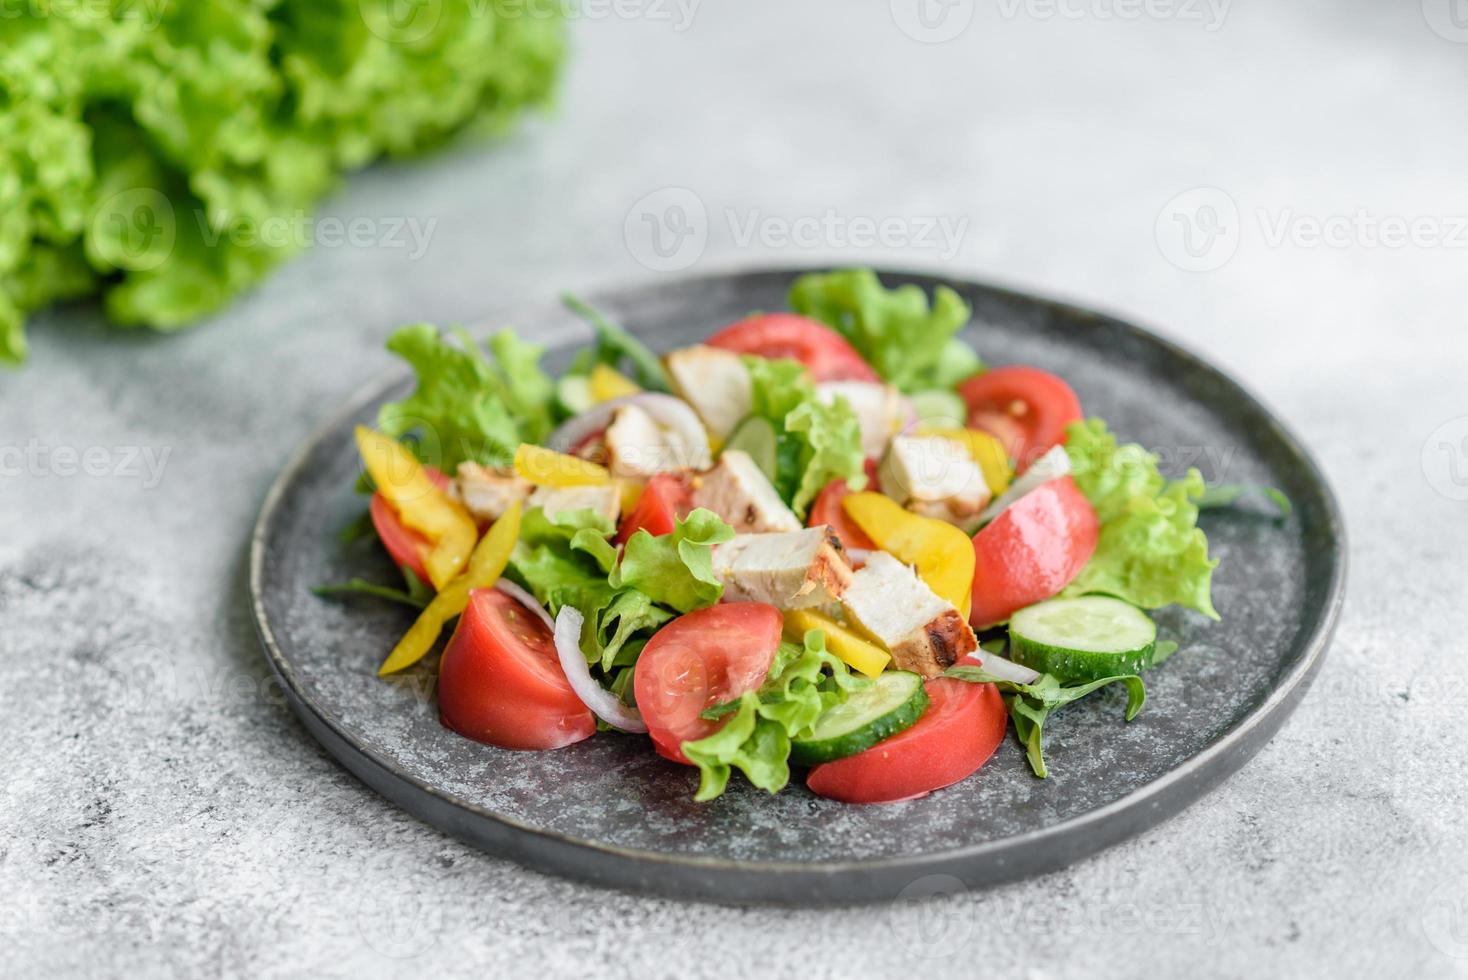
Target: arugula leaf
908	343
1150	551
358	529
756	739
417	594
676	569
1228	494
613	343
815	442
1030	705
468	405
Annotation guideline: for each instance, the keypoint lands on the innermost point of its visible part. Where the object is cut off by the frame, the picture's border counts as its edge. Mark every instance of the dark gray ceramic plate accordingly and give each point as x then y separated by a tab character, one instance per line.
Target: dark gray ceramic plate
610	811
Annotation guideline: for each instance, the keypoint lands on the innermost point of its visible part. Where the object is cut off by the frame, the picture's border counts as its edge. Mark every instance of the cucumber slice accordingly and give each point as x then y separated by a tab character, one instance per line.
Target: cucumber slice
1083	639
756	436
894	701
939	409
574	393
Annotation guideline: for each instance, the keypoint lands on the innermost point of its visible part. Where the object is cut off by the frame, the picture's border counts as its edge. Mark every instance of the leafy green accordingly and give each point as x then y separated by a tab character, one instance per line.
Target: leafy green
815	441
756	738
1228	494
469	405
1150	551
908	343
416	594
676	569
613	344
568	561
166	153
1030	705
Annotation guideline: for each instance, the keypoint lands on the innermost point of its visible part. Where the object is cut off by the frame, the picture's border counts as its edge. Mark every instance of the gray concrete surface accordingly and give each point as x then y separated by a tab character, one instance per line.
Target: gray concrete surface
163	814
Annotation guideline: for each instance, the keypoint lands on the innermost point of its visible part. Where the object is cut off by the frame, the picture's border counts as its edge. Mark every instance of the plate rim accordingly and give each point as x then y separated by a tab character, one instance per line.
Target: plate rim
1212	764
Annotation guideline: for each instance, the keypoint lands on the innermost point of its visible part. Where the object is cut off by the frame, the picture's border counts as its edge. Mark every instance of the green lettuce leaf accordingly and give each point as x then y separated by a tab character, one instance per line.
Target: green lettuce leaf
1030	705
815	442
804	681
676	569
1150	551
468	405
910	344
167	154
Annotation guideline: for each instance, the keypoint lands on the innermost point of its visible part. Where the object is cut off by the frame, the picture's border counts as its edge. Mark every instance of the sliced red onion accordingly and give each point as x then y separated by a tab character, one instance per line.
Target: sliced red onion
527	600
1051	466
673	414
603	703
1005	670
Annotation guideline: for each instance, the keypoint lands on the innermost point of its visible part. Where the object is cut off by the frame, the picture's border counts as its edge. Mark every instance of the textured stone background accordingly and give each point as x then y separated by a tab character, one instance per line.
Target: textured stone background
163	813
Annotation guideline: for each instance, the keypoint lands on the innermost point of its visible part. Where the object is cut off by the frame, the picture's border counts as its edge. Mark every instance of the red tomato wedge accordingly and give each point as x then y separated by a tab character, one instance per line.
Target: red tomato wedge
1023	407
406	546
701	659
827	510
962	727
825	353
500	680
666	498
1032	550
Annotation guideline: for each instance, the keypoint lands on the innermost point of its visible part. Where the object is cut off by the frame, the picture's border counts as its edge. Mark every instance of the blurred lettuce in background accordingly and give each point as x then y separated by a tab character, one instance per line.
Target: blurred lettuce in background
147	147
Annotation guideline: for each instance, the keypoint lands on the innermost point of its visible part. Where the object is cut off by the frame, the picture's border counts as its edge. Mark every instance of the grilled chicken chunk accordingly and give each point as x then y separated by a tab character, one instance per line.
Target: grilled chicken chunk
788	570
881	410
637	447
936	477
488	493
606	500
738	491
715	382
925	634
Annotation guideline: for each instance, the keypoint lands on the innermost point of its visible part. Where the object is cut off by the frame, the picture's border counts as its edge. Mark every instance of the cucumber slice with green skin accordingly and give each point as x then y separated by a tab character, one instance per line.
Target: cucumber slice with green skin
574	393
1083	639
894	702
939	409
756	436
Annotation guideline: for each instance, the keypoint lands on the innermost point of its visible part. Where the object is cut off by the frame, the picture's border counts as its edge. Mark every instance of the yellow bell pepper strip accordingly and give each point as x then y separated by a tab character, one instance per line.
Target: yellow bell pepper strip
987	451
856	651
419	504
608	383
548	468
942	554
486	565
629	492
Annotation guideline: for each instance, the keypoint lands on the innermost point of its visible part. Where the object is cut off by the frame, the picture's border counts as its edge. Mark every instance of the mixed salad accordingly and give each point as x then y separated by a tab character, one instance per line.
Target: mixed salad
828	538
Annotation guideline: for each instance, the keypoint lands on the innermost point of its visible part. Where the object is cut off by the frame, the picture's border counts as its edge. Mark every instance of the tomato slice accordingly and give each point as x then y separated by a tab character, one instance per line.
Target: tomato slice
1032	550
827	510
962	727
701	659
406	546
828	355
666	498
1025	408
501	682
